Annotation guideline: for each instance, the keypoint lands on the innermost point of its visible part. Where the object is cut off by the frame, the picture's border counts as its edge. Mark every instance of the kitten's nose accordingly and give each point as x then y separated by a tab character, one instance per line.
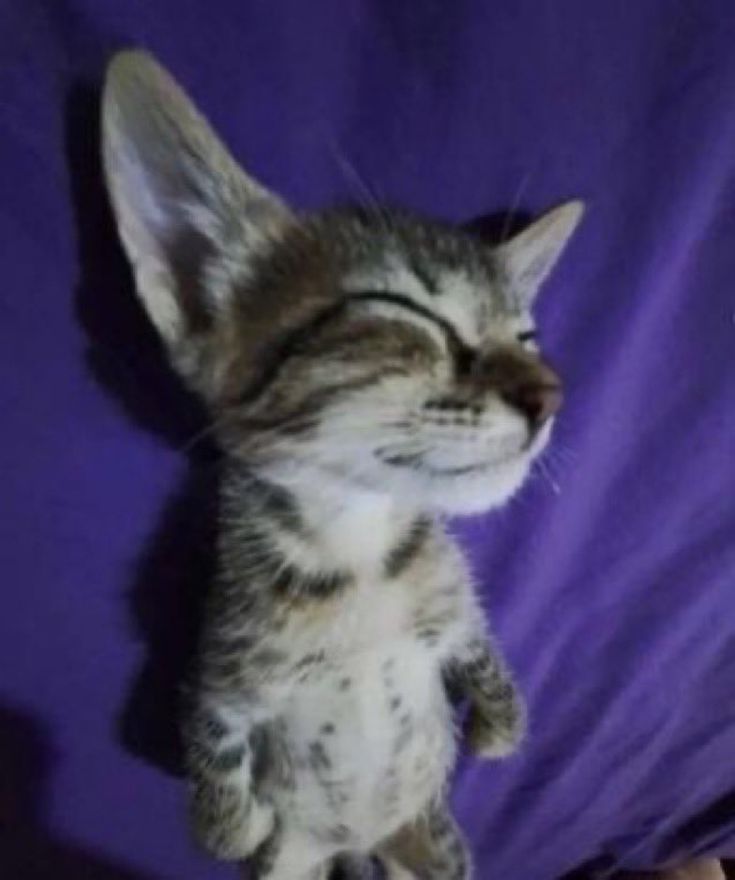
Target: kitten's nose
526	383
538	401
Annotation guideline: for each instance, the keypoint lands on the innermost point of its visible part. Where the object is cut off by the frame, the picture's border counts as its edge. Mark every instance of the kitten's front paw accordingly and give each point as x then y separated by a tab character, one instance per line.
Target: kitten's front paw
499	732
229	823
261	825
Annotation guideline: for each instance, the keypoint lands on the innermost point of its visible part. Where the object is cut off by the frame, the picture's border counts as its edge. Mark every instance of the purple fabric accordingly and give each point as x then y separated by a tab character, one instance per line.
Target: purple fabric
610	579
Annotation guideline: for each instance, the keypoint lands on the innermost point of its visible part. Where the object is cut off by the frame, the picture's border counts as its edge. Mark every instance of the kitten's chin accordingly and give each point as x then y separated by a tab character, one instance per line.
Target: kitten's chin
478	492
482	489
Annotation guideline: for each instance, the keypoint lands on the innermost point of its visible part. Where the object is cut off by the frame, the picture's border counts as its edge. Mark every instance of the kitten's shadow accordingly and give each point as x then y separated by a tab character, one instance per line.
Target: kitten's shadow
166	604
126	359
29	848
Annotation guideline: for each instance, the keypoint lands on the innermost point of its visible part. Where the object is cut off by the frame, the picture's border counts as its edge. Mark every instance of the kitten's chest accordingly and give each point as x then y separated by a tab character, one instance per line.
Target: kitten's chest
364	713
379	615
370	616
402	578
369	738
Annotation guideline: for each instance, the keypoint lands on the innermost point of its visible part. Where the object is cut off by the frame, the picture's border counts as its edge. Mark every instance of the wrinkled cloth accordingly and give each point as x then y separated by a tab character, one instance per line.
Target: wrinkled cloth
609	579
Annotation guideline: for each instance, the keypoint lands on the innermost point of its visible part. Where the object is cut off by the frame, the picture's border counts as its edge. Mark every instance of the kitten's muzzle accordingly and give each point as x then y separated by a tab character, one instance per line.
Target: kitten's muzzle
536	401
527	384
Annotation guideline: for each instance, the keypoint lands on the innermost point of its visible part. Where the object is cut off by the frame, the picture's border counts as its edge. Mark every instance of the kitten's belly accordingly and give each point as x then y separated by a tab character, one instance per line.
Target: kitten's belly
370	743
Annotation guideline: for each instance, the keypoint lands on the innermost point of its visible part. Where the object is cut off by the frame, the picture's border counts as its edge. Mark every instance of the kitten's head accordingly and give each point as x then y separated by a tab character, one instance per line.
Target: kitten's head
388	351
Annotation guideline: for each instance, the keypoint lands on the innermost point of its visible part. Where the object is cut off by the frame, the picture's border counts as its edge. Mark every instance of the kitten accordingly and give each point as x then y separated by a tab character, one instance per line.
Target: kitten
367	373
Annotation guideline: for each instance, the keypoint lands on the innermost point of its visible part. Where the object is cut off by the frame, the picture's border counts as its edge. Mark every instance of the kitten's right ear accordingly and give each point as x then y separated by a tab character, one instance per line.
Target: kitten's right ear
526	260
190	219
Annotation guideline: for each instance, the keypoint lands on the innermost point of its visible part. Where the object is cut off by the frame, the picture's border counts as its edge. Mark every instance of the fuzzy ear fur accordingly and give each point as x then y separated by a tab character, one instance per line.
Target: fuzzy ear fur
190	219
528	258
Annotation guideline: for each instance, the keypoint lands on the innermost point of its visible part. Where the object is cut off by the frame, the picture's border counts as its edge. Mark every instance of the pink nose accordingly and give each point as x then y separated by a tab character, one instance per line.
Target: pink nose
538	402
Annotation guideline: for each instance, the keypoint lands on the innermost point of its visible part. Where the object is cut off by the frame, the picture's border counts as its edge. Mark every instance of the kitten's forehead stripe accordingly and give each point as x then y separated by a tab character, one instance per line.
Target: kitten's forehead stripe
394	309
437	266
423	273
454	340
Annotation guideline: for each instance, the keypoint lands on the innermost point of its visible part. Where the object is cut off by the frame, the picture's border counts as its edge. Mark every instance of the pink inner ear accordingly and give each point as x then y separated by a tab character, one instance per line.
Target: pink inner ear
528	258
190	219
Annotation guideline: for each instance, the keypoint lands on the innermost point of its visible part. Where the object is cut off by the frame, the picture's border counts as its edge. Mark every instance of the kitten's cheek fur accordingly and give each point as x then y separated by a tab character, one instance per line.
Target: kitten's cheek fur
476	494
541	440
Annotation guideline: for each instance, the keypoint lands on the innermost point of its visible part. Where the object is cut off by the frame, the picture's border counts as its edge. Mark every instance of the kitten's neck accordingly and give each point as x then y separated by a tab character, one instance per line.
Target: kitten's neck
346	526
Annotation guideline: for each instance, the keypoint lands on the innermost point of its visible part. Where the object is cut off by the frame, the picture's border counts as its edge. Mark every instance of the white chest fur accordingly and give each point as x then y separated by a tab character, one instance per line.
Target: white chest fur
355	530
364	713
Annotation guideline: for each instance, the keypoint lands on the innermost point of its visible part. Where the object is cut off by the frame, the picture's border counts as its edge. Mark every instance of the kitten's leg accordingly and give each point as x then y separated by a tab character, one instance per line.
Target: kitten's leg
497	718
292	856
394	870
228	818
430	848
351	866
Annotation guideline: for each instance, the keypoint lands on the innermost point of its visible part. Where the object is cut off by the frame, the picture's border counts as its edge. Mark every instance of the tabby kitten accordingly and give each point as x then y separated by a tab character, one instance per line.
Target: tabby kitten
367	373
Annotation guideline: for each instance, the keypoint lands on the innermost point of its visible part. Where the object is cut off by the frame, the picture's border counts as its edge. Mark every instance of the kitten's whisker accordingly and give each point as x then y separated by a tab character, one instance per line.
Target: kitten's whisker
558	460
260	435
205	432
513	209
365	194
564	454
546	474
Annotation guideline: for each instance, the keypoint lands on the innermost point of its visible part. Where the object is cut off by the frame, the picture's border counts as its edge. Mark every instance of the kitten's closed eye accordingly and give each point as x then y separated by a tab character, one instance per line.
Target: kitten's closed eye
527	336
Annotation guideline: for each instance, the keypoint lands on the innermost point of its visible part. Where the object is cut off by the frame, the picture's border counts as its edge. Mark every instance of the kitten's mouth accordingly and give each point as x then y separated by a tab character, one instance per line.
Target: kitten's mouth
417	462
457	471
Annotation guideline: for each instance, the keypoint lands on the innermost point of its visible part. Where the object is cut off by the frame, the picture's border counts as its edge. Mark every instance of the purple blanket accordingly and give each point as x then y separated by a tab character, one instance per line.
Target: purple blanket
611	579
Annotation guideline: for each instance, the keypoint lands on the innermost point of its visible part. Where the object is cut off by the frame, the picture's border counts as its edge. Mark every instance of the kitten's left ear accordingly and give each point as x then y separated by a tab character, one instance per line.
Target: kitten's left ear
527	259
191	220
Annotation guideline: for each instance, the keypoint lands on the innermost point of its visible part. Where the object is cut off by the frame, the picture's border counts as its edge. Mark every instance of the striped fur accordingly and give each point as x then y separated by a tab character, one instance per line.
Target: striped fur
367	373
